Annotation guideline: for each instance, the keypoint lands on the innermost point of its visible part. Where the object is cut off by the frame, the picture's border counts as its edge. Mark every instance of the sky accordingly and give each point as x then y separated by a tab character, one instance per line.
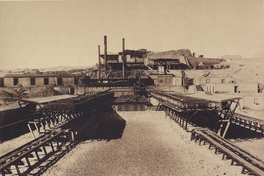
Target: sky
39	34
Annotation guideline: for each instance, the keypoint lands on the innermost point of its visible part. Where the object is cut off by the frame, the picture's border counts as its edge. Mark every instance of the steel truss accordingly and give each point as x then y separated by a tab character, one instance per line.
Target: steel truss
183	108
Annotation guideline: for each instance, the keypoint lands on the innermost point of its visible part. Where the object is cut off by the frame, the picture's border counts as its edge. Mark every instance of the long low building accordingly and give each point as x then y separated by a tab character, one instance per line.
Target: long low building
11	80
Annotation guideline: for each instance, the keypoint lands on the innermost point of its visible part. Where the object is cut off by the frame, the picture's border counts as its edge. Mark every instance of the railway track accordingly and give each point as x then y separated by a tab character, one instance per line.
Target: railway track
248	122
39	148
57	140
237	155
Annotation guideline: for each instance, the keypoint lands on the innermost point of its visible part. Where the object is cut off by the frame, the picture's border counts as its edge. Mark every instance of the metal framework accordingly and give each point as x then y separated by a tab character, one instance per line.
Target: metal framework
35	148
248	122
182	108
58	120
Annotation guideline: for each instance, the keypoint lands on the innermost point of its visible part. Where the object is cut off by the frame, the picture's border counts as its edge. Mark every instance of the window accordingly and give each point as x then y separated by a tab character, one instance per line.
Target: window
32	81
236	89
15	81
46	81
256	101
59	81
76	80
222	80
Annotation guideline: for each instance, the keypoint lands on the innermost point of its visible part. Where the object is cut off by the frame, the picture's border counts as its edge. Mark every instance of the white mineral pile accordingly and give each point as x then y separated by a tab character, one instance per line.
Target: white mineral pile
150	145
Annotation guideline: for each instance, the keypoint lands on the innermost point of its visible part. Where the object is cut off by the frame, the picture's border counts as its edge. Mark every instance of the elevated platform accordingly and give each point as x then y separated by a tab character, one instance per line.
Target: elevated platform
54	112
211	111
70	102
199	101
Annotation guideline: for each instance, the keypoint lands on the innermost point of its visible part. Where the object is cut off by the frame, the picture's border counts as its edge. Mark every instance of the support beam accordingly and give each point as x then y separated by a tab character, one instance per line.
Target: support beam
187	120
226	128
30	129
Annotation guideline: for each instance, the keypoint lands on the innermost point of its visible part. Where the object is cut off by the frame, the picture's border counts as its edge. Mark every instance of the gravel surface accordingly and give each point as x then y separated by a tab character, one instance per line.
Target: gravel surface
253	146
150	145
12	144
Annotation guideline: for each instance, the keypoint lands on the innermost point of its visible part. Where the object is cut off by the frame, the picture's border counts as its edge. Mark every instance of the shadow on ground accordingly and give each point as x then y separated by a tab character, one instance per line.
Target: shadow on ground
236	131
105	126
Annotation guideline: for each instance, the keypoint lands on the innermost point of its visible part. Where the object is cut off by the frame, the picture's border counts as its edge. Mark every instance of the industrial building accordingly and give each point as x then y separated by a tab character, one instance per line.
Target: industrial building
25	80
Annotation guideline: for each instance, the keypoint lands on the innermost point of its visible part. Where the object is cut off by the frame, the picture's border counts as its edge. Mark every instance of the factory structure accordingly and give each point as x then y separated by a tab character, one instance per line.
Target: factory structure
189	90
174	70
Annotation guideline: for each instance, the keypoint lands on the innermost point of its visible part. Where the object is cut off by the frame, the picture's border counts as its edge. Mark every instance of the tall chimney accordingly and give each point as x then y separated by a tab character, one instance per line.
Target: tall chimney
123	57
105	53
99	63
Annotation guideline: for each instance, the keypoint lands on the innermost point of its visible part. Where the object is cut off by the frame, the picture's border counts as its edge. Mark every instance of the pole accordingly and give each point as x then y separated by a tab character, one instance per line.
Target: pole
99	63
105	53
123	57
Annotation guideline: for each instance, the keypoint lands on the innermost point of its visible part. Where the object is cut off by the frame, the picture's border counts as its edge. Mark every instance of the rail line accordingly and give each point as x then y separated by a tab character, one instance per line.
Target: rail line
246	121
46	145
54	140
63	122
229	150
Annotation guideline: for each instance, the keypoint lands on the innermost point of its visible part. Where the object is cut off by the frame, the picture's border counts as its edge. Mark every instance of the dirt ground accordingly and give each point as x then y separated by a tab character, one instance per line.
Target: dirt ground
150	145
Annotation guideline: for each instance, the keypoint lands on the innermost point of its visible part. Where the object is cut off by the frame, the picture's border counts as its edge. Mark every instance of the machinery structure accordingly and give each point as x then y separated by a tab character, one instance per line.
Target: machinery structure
214	112
59	121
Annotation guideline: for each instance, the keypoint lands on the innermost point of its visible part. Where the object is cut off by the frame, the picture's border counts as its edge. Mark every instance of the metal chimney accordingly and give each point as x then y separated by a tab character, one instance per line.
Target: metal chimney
105	53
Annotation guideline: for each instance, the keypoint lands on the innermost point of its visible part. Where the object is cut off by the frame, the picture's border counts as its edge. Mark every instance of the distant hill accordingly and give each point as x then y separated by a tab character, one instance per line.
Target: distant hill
231	57
69	69
62	68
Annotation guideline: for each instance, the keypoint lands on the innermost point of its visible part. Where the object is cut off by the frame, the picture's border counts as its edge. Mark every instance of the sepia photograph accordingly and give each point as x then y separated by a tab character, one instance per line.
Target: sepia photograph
132	87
